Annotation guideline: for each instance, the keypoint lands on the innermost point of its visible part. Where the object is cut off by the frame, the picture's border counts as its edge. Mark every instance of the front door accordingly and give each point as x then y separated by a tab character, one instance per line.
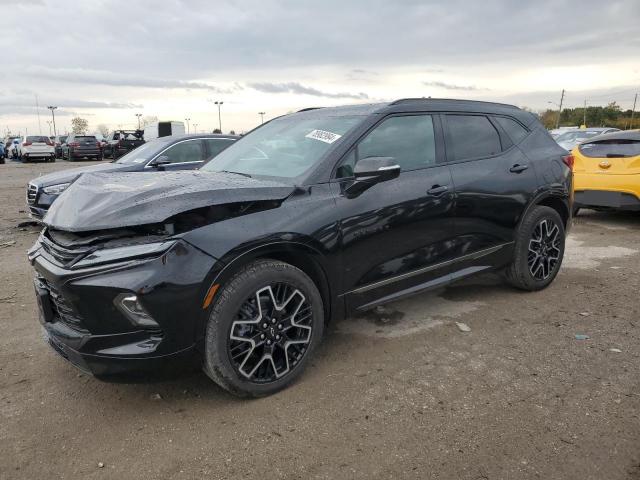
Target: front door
396	234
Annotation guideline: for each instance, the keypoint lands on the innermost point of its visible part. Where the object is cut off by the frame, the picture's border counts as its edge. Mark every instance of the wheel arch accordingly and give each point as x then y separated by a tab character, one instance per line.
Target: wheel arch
300	255
555	200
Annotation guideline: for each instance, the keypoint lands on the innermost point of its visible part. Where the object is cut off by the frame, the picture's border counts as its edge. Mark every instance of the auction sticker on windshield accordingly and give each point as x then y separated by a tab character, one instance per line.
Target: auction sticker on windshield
323	136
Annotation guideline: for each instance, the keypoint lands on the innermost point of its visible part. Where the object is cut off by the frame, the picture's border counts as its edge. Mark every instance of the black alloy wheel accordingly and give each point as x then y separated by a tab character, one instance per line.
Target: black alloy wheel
265	322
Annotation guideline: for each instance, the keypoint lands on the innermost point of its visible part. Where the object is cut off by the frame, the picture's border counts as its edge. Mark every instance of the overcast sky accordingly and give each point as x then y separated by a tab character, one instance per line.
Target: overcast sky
106	60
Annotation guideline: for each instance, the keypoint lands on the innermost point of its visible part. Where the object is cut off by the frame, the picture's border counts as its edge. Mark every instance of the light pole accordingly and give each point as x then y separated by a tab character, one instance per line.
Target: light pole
219	104
261	117
187	120
49	122
138	115
195	128
53	117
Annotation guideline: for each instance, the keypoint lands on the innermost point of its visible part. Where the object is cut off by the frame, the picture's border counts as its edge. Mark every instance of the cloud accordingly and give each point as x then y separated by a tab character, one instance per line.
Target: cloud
29	103
451	86
104	77
299	89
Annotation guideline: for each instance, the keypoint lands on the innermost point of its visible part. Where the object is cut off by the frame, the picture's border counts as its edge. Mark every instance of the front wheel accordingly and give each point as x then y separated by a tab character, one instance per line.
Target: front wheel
539	249
263	327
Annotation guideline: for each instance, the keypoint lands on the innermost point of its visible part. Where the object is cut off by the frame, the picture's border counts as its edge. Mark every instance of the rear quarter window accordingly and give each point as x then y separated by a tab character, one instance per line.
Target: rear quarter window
514	130
611	148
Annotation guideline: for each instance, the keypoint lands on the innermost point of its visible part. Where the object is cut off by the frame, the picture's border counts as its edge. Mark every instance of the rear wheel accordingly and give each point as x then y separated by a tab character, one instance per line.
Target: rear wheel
539	249
263	328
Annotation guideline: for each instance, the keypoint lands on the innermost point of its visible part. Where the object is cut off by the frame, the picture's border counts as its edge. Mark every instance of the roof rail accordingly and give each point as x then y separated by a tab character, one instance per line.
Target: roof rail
308	108
408	100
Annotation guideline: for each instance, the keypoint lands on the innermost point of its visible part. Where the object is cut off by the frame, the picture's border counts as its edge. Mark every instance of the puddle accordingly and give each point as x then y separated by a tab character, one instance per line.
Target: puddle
406	317
581	257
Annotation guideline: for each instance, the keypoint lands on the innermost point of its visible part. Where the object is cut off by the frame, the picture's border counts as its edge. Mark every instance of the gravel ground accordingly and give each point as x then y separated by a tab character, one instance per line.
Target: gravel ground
410	397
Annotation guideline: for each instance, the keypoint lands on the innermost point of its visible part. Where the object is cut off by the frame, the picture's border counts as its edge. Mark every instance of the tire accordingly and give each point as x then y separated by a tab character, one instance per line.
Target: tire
250	371
535	269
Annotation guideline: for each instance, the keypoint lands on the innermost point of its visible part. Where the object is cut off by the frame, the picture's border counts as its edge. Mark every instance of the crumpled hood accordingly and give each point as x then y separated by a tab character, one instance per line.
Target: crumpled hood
99	201
67	176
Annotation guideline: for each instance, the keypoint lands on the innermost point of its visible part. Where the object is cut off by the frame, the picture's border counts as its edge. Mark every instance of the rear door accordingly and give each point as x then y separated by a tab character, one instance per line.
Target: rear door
395	235
494	181
38	144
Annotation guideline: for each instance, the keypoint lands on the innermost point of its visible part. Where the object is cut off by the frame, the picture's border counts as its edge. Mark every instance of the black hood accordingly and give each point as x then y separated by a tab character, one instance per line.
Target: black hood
100	201
68	176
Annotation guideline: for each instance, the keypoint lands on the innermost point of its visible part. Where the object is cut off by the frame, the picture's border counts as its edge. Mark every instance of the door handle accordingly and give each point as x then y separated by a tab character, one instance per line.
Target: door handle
437	190
518	168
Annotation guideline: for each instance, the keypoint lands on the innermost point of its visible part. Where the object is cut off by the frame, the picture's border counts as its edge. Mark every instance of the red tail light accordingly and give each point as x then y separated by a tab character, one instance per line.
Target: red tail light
26	144
50	143
98	144
568	161
74	144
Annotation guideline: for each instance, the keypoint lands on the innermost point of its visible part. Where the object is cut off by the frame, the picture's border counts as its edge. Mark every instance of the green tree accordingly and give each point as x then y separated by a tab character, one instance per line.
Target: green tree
79	126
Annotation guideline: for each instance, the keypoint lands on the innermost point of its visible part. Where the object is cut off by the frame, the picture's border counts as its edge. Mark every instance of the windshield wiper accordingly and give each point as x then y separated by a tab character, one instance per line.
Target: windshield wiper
236	173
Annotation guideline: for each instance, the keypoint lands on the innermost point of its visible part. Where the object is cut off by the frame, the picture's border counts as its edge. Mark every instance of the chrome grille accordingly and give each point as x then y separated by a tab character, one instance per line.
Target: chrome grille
62	310
32	192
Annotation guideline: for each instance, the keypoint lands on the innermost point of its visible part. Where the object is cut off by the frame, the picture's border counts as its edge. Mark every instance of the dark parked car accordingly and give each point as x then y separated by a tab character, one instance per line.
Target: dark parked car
58	143
182	152
78	147
313	216
121	142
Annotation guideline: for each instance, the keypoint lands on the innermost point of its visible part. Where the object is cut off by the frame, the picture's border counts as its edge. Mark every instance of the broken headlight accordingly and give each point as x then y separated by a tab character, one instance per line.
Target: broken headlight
55	189
130	252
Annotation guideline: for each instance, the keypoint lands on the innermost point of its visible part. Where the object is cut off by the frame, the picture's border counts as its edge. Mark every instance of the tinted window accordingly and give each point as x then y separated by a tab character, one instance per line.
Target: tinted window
471	136
37	139
409	140
515	131
611	148
216	145
84	138
190	151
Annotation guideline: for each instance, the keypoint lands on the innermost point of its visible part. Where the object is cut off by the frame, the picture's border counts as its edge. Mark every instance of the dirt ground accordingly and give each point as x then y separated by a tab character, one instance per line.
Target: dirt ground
517	397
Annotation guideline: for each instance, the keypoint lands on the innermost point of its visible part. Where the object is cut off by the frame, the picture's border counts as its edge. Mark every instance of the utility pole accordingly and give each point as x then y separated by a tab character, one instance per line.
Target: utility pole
38	112
53	117
138	115
219	104
560	111
187	120
633	111
584	120
261	117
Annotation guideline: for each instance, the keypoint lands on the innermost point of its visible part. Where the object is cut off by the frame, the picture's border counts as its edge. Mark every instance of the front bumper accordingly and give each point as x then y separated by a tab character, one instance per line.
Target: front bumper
82	324
606	199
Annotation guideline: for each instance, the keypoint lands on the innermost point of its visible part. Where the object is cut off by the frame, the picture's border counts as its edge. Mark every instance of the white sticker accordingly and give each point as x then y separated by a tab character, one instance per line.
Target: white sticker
326	137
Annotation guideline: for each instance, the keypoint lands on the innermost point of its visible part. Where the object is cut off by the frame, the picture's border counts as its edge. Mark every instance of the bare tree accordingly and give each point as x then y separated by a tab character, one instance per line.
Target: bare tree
79	126
103	129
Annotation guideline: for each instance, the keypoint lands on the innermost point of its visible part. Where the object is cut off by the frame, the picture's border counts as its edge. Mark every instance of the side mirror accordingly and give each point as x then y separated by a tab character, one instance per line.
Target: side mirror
372	170
160	162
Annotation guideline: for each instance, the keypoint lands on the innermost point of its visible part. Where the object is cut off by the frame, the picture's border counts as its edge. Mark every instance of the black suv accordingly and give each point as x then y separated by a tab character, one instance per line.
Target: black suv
179	152
313	216
78	147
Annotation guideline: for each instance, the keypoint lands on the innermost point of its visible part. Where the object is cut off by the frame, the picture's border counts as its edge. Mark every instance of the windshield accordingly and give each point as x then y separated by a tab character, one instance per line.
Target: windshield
285	147
143	153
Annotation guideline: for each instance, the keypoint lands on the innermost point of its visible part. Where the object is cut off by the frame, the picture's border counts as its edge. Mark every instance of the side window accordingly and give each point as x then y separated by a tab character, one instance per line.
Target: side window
215	146
409	140
190	151
471	136
515	131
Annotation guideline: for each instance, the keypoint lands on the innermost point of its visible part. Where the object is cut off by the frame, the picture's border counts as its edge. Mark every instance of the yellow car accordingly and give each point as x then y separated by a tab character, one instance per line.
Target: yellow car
606	172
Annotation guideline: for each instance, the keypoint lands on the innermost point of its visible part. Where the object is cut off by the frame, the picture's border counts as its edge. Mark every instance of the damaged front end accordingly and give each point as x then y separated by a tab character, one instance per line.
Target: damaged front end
128	295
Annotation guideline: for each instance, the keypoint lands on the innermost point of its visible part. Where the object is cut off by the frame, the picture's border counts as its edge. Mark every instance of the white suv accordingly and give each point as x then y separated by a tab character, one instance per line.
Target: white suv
35	147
